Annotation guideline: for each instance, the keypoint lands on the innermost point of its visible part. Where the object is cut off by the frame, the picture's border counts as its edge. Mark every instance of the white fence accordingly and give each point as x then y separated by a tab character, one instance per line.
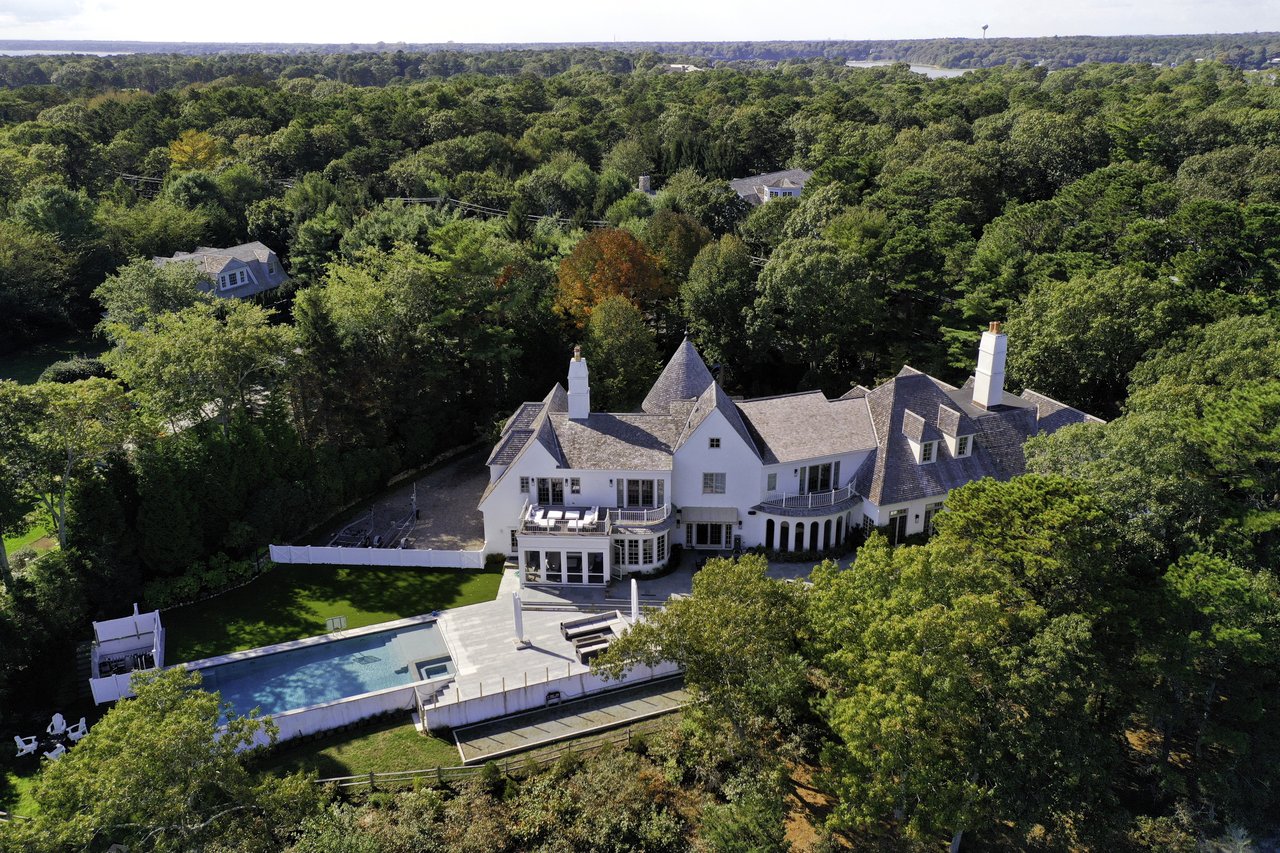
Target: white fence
426	558
454	708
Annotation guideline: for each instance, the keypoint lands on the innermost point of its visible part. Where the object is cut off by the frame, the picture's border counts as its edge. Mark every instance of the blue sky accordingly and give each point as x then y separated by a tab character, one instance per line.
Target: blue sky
344	21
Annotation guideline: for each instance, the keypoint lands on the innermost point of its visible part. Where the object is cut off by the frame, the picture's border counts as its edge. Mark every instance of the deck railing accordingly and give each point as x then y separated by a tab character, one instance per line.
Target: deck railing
811	500
639	516
605	520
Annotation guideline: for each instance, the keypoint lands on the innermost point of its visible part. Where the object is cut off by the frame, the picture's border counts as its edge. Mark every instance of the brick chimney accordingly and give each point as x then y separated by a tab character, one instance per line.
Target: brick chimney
988	381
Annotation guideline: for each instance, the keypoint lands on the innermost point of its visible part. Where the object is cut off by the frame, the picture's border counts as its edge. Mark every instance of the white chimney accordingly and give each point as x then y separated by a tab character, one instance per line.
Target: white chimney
988	382
644	184
579	388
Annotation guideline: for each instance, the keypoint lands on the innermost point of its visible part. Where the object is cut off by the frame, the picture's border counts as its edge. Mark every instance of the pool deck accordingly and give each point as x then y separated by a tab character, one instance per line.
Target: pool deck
575	718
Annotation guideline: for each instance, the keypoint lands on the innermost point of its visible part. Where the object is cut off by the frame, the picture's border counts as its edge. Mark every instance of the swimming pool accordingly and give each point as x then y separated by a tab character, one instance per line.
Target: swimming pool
329	671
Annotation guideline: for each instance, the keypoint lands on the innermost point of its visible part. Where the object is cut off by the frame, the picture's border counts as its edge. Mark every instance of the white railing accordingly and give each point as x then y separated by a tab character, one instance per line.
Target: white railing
639	516
811	500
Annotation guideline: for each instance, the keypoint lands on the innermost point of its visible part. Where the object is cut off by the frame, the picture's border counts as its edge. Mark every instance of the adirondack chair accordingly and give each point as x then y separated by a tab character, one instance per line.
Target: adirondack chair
78	731
56	753
57	725
26	745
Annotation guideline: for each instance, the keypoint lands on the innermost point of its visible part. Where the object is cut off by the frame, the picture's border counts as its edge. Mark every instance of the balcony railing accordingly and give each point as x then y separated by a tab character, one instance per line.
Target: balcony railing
631	517
811	500
586	521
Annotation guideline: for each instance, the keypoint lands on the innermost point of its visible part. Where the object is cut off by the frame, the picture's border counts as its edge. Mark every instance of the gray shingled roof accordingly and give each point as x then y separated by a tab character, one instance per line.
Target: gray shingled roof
807	426
891	475
628	442
715	399
749	187
212	260
1053	415
684	378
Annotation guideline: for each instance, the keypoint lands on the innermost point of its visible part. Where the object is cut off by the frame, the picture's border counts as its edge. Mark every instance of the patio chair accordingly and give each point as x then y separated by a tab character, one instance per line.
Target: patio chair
56	753
57	725
26	745
79	730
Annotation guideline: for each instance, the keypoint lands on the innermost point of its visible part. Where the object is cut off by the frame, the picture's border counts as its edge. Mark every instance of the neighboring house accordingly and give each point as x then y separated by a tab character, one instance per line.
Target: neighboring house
581	497
240	271
758	189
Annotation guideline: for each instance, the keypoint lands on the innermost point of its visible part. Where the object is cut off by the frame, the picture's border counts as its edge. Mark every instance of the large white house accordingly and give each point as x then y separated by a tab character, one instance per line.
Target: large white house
580	497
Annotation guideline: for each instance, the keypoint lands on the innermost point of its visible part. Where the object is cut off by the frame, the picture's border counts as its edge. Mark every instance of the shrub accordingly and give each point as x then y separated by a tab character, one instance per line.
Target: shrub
494	562
75	369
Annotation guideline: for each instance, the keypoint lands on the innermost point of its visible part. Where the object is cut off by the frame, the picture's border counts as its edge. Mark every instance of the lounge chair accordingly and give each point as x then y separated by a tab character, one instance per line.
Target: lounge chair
56	753
26	745
57	725
79	730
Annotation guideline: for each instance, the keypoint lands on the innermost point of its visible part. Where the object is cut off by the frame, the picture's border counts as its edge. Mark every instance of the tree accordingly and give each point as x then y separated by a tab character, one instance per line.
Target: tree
605	263
206	360
19	418
165	771
35	290
675	240
1078	340
76	425
717	300
622	353
140	292
933	656
193	149
737	638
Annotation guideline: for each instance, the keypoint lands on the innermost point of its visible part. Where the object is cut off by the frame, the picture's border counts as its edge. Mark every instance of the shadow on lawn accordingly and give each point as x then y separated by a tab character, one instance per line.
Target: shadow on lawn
292	602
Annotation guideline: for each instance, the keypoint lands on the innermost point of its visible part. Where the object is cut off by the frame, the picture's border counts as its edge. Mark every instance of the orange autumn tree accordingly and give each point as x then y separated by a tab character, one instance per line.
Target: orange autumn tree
606	263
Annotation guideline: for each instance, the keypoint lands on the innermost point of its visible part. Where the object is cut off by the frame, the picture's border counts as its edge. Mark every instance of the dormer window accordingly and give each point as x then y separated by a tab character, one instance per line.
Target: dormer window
964	446
927	451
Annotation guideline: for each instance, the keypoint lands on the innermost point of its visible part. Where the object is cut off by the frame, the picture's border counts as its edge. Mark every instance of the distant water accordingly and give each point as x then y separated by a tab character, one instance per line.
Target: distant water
927	70
64	52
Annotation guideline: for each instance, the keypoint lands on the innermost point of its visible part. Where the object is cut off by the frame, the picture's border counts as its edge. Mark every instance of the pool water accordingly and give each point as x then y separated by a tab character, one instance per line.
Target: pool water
325	672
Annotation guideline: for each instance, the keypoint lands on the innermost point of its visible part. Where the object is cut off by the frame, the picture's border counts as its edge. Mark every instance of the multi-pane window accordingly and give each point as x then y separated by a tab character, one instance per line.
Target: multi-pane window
817	478
772	483
524	485
662	547
575	486
963	445
715	443
713	483
646	493
648	550
926	452
633	552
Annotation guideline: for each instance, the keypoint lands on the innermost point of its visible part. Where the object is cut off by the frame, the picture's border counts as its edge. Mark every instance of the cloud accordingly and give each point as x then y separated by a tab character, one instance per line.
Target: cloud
40	11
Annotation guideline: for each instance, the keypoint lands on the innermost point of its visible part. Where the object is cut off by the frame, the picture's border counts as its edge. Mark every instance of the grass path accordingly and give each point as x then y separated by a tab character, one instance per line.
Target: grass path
292	602
386	749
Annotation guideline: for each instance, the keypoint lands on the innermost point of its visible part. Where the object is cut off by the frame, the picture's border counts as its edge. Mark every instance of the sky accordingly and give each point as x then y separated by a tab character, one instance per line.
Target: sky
368	21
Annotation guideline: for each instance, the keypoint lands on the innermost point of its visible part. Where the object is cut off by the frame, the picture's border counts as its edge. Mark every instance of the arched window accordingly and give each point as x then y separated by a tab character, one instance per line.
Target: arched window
839	531
799	535
785	538
826	535
768	534
813	536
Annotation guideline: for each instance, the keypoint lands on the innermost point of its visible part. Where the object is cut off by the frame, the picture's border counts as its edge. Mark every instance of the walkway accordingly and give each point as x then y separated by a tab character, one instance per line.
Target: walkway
609	710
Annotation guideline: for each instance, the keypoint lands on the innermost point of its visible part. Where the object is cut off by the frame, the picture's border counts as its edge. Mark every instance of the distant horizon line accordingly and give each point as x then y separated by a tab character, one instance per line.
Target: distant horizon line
98	42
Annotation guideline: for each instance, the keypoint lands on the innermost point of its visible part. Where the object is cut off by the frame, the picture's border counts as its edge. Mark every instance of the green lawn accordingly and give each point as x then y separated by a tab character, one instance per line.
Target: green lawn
386	749
292	602
15	789
28	539
27	364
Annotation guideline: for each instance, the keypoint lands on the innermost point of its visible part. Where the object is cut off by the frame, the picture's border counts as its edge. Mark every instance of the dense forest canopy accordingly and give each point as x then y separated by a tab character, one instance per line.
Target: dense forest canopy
453	222
1243	50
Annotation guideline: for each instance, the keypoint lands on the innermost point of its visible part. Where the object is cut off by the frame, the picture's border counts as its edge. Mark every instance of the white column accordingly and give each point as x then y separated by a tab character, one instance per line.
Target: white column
519	620
635	601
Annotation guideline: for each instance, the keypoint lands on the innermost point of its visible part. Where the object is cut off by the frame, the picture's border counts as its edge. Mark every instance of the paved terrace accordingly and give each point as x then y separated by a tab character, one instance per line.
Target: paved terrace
575	718
448	518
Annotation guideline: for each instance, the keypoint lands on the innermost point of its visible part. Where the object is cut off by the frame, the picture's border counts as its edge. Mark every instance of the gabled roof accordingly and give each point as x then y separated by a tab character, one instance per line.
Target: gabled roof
714	399
750	186
684	378
625	442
